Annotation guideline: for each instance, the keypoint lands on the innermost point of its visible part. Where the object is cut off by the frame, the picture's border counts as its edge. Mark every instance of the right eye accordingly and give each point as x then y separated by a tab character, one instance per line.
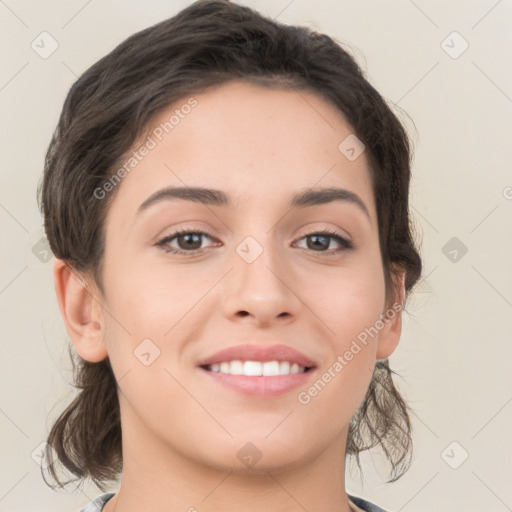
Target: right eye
187	241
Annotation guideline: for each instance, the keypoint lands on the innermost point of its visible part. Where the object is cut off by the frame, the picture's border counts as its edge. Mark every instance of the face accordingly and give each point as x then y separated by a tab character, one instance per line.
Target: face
257	269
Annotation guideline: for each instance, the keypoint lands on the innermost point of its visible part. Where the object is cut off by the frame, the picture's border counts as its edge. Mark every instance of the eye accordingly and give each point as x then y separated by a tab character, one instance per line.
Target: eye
321	240
189	242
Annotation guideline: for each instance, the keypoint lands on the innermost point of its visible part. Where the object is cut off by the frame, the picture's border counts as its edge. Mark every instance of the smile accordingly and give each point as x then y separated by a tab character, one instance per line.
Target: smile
256	368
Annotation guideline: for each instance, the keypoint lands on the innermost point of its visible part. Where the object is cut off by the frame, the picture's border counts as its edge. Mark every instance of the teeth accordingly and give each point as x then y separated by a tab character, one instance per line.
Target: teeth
257	368
235	368
253	368
284	367
270	368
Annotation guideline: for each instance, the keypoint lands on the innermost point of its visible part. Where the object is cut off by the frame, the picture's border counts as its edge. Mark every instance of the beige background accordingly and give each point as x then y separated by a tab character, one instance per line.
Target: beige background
456	349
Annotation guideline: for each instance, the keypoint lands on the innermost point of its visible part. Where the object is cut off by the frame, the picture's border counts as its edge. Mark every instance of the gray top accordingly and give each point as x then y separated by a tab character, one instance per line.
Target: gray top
97	504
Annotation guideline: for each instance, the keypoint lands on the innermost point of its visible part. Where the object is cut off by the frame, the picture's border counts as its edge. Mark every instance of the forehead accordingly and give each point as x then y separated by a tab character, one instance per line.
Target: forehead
260	145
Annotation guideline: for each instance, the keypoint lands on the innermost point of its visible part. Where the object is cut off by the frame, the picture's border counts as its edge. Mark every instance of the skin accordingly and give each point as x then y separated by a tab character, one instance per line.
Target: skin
181	432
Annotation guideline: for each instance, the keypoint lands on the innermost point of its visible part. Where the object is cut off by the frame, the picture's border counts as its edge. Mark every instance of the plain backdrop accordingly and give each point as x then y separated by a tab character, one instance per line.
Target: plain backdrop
446	66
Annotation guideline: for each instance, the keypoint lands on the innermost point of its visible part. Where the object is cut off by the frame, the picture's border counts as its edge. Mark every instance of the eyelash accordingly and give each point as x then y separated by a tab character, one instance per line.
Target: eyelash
346	245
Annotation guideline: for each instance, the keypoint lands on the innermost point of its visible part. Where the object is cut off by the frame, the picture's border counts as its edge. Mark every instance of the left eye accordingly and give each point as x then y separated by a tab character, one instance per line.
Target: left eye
189	242
322	240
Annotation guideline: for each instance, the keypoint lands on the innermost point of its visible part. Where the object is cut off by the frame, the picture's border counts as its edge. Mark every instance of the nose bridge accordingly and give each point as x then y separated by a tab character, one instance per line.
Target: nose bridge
259	283
257	263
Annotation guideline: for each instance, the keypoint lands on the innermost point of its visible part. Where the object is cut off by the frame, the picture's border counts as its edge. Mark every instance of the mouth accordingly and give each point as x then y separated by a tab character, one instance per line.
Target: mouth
259	370
273	368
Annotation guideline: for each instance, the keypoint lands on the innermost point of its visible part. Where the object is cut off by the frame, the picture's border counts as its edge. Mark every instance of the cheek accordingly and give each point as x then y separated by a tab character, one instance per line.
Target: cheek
147	297
350	306
134	314
349	300
153	310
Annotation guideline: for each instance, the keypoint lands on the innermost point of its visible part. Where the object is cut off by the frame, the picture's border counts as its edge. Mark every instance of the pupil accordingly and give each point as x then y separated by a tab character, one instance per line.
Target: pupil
315	245
188	238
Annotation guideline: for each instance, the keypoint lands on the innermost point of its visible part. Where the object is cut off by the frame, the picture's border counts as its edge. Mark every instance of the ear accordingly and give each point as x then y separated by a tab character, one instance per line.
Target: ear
82	313
389	335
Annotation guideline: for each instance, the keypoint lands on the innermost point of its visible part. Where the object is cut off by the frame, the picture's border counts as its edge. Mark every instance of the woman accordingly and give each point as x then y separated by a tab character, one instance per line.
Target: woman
227	201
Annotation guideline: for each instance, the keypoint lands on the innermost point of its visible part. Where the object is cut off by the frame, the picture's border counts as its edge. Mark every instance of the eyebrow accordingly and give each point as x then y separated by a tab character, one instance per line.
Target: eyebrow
207	196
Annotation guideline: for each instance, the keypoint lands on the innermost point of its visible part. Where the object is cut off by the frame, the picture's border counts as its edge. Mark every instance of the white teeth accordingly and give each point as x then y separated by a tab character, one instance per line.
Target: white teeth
236	368
253	368
270	368
284	367
257	368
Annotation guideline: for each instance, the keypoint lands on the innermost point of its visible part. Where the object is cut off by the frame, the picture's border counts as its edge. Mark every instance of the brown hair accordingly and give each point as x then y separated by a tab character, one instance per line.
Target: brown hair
209	43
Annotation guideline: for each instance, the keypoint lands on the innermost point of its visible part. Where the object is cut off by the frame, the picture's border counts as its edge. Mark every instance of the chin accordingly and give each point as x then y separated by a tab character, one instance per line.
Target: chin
257	455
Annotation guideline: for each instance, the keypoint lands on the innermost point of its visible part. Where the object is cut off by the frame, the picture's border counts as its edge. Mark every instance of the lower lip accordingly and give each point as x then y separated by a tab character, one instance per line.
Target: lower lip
261	386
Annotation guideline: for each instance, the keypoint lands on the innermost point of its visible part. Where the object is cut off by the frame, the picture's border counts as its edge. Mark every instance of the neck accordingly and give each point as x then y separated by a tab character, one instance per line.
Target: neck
159	479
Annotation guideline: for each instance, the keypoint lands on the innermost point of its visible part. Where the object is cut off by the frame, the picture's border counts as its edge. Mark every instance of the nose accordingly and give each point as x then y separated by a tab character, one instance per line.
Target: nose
261	291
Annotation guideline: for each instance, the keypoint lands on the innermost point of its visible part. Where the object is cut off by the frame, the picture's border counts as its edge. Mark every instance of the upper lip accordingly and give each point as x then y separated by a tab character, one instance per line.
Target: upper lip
261	353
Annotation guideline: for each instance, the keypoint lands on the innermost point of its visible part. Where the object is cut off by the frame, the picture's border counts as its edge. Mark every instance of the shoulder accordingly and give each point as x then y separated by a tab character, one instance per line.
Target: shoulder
364	505
97	504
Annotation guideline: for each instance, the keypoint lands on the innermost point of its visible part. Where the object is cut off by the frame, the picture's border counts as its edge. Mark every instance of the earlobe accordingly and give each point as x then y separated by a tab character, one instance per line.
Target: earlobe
81	312
389	335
